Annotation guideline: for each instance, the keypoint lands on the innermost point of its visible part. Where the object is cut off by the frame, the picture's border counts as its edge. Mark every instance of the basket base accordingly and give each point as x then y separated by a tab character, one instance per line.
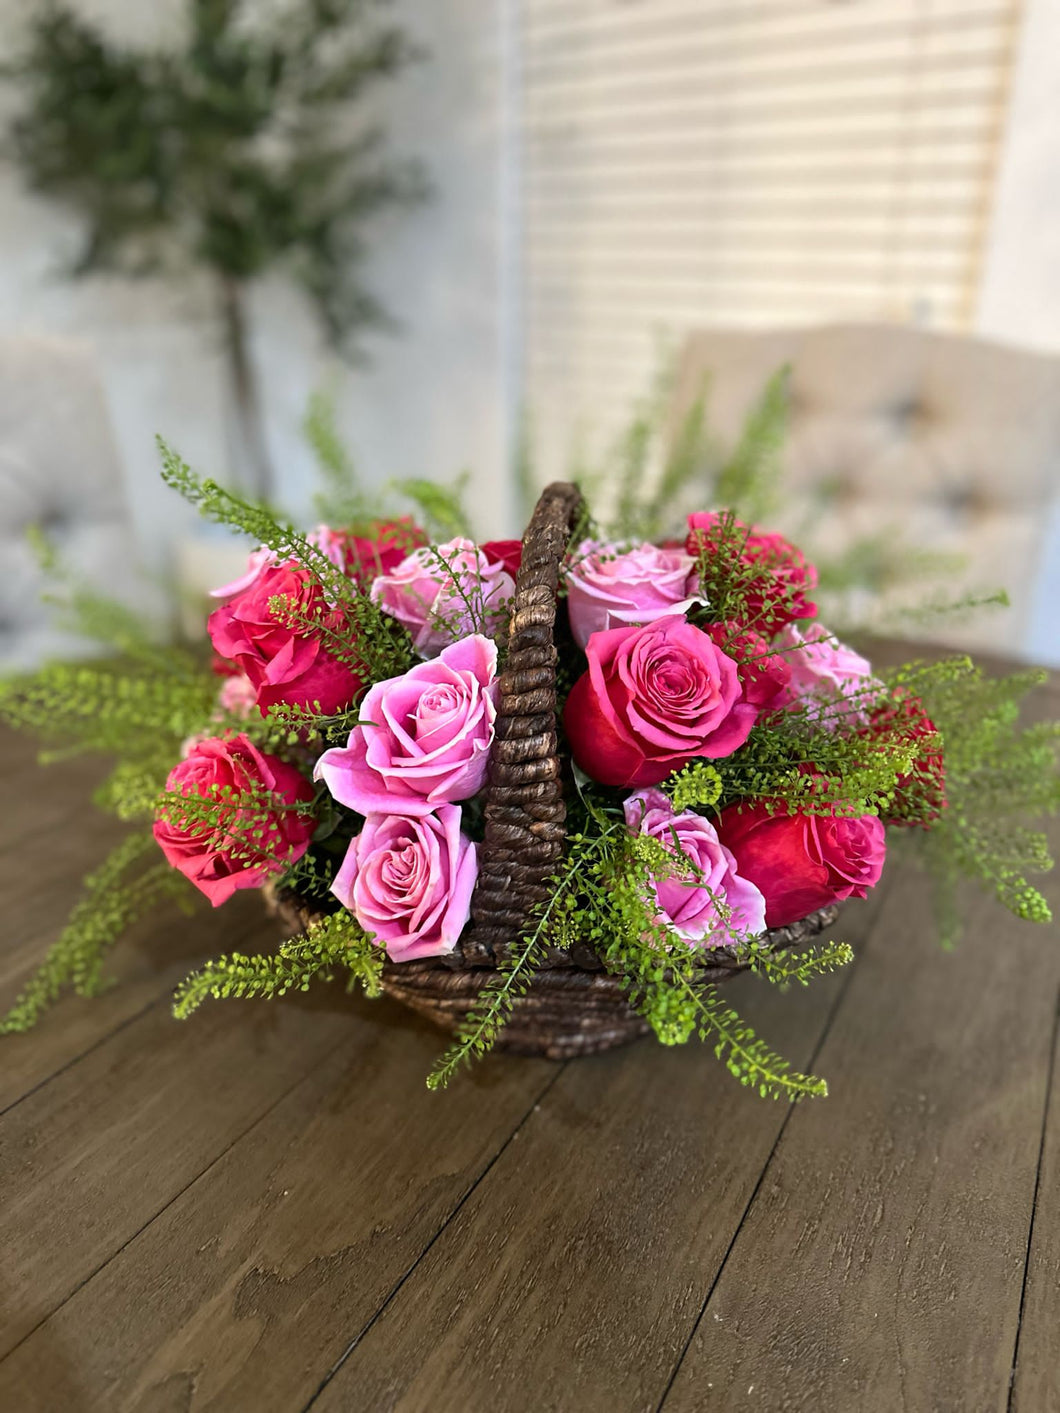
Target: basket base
565	1013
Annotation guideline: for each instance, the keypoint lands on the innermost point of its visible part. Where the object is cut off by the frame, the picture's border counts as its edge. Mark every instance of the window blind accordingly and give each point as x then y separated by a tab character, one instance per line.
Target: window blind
729	162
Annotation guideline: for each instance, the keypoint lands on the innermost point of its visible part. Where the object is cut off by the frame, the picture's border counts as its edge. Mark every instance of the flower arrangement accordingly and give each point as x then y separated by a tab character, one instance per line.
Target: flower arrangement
591	772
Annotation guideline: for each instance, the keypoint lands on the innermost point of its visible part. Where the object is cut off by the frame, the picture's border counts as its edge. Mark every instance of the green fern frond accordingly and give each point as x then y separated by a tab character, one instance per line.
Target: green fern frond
335	941
341	500
748	484
381	646
441	508
746	1057
109	708
782	968
114	898
515	971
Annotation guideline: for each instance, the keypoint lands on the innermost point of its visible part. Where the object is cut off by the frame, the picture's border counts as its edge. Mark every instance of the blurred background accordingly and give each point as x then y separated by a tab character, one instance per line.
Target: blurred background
483	225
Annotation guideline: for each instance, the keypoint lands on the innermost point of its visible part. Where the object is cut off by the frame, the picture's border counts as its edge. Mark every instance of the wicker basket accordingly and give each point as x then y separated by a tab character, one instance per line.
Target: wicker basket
573	1006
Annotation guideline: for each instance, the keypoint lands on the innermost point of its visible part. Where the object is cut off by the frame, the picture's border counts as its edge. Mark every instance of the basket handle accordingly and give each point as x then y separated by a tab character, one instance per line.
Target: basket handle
524	807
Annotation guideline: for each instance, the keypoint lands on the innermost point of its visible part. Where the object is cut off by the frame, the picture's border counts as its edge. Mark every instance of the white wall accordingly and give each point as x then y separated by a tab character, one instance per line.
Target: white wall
1020	292
430	402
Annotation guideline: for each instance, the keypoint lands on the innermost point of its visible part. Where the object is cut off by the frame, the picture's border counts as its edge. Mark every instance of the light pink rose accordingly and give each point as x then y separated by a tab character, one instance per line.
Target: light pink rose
238	695
425	736
409	882
831	682
443	593
705	875
607	588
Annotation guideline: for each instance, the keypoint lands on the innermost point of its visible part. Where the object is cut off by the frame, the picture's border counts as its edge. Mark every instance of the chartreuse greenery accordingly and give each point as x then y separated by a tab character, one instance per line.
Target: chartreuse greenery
138	705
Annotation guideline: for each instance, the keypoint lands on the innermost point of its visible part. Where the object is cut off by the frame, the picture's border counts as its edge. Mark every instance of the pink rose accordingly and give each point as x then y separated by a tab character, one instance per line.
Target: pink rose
653	698
258	829
285	664
429	736
802	862
409	882
237	696
360	557
779	578
765	675
326	539
381	551
444	593
609	589
705	882
831	682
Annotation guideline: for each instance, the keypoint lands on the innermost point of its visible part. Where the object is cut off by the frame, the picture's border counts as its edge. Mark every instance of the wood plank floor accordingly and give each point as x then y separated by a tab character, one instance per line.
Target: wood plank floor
264	1209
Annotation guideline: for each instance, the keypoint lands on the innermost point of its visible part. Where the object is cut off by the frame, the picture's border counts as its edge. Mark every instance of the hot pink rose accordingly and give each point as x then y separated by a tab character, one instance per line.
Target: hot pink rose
920	794
802	862
381	551
507	553
608	588
444	593
409	882
429	738
830	681
779	592
765	675
252	838
705	880
653	698
285	664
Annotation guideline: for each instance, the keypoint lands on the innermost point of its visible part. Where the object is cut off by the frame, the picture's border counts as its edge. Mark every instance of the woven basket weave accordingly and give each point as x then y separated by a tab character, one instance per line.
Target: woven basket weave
573	1006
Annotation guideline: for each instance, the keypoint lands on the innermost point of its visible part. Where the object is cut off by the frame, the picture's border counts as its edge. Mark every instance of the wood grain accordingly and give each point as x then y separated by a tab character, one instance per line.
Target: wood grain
1036	1377
49	800
573	1275
144	967
88	1159
265	1202
241	1293
881	1264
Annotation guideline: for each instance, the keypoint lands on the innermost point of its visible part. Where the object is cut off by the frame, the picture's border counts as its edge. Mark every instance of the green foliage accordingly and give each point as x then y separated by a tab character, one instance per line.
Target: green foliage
230	152
440	507
340	501
782	968
240	821
1000	776
336	942
116	895
749	482
799	764
646	474
382	647
515	969
697	785
343	502
138	704
659	971
604	896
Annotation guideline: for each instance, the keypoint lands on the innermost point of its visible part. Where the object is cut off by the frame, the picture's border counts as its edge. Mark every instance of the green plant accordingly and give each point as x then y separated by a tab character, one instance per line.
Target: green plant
242	151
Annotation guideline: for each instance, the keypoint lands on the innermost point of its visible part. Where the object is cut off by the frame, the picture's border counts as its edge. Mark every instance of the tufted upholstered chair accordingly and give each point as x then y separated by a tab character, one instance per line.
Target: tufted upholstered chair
59	470
953	442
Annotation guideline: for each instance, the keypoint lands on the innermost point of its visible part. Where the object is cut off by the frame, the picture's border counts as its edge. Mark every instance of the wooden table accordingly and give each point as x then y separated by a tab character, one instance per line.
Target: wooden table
263	1208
